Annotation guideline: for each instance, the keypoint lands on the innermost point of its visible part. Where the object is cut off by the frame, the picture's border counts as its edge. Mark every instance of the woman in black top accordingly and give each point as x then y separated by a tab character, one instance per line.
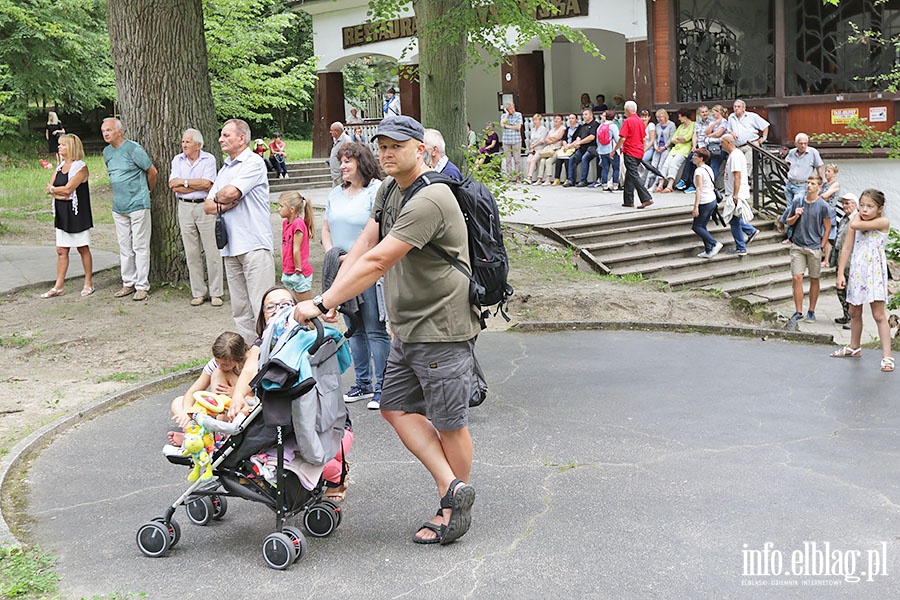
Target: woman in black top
71	214
52	133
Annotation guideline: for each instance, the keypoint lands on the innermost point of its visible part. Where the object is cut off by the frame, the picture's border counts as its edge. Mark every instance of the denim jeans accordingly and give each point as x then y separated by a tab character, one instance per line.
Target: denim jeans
369	344
794	193
700	223
738	230
584	157
279	164
605	161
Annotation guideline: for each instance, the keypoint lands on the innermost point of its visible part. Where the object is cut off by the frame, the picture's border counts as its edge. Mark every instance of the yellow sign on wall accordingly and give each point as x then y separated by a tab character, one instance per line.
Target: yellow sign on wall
842	116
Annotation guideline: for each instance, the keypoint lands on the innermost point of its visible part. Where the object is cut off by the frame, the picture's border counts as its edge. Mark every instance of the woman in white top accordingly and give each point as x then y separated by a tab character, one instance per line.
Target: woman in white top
536	143
554	141
704	203
346	215
714	133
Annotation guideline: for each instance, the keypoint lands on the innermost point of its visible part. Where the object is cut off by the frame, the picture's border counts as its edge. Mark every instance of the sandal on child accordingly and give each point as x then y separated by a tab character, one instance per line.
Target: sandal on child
887	364
461	497
847	352
437	529
53	293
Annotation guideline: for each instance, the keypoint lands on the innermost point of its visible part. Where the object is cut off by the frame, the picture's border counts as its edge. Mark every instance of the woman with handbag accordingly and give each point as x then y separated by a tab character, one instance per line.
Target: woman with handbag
536	143
714	133
547	155
705	203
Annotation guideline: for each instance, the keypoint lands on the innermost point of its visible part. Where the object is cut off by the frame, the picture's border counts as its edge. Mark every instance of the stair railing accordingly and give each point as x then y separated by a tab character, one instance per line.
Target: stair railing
769	174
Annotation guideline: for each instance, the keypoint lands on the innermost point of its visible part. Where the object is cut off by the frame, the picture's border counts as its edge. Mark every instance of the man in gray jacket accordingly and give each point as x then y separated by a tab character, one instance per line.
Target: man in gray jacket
340	138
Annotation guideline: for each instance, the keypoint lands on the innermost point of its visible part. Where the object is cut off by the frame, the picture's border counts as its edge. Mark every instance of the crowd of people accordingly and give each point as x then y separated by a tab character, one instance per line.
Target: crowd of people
376	268
414	328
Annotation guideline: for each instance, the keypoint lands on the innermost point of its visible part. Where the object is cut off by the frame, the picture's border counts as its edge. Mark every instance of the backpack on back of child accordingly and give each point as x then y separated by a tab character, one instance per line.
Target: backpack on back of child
488	285
603	135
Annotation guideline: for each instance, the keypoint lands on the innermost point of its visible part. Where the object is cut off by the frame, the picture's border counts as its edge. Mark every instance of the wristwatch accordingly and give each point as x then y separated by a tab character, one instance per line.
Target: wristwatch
320	304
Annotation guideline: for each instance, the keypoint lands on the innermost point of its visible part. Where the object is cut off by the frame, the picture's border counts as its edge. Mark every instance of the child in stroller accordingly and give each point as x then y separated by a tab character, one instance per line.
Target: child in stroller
305	410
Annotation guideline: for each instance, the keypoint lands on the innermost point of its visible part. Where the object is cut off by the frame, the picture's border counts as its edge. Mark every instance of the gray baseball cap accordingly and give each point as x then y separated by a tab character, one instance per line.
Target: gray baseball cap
400	128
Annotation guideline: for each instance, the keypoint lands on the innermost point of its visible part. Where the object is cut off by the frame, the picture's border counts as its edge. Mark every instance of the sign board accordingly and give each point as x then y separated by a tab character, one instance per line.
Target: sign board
842	116
369	33
878	114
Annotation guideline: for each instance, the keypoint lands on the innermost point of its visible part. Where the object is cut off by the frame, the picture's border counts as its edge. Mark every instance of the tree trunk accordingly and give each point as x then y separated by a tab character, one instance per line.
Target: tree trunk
442	59
162	80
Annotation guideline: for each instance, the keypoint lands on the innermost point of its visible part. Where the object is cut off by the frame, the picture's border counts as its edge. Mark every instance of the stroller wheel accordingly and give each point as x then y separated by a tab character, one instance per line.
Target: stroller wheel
173	527
278	551
153	539
320	520
337	511
220	506
200	510
301	546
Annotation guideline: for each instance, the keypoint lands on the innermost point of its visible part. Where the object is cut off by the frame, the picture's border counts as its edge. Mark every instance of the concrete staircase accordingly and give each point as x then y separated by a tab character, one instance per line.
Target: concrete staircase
659	245
307	174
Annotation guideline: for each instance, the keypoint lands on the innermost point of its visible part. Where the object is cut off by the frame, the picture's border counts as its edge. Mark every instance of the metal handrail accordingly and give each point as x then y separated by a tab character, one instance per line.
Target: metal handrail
769	176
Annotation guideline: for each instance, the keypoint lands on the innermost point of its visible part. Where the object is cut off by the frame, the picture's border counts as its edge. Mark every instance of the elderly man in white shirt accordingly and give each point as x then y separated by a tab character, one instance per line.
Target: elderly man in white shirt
749	129
241	194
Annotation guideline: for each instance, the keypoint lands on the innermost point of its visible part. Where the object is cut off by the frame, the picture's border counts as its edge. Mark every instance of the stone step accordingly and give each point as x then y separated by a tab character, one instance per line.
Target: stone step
663	262
778	291
577	228
298	183
678	235
731	268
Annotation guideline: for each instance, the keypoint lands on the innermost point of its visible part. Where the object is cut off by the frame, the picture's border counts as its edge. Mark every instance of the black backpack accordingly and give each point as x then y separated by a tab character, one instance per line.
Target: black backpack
487	254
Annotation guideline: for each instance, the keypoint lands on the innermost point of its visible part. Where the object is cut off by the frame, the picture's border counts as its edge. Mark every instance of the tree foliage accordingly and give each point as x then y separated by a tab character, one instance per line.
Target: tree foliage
454	35
253	58
52	52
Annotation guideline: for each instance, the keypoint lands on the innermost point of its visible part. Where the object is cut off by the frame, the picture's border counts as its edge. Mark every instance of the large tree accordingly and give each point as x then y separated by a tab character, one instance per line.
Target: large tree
452	36
162	79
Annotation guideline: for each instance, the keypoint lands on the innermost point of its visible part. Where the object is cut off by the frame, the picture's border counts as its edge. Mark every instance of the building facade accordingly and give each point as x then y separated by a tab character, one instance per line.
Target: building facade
803	65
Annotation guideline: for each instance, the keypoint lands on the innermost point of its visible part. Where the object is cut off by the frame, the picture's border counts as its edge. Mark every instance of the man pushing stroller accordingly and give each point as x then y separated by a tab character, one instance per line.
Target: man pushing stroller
428	379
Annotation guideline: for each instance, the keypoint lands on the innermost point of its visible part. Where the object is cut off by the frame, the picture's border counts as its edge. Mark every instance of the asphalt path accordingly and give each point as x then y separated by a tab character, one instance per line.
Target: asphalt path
608	464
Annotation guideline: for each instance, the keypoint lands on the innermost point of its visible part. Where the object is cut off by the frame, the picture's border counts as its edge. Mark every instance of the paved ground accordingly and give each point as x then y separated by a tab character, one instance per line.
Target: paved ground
608	465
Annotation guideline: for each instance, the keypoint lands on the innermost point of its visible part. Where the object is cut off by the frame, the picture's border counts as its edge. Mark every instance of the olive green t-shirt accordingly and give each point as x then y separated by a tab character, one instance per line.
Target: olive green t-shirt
427	299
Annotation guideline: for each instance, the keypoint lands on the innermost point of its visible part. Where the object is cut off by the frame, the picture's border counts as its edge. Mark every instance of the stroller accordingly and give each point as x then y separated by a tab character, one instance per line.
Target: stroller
298	385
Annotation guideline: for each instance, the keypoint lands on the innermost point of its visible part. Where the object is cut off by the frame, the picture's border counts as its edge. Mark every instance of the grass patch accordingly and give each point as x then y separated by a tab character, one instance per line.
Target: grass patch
14	341
22	187
26	573
122	377
197	362
298	149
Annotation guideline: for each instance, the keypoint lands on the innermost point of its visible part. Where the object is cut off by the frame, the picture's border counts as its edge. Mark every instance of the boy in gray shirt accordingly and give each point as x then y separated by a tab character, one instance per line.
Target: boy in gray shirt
812	224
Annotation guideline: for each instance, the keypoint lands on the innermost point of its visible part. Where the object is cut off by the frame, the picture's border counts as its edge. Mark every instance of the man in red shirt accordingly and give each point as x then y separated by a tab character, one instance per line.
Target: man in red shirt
631	142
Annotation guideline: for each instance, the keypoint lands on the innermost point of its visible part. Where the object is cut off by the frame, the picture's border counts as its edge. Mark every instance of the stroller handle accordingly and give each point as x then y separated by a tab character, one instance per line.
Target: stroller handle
320	335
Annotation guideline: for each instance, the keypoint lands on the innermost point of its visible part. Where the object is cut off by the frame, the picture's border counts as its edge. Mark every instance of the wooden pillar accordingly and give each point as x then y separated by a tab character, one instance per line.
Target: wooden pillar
638	82
328	108
523	77
410	91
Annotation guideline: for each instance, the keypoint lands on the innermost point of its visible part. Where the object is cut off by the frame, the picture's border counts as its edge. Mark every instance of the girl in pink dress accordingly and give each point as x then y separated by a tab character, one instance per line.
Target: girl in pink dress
867	282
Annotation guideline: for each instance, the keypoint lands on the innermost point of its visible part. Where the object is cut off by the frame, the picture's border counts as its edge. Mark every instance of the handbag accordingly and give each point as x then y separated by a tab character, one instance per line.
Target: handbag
546	152
565	153
715	148
221	232
718	194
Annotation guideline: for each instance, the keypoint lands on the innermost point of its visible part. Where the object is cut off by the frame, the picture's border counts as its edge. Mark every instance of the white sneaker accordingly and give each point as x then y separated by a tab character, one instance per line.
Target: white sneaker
718	247
703	255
